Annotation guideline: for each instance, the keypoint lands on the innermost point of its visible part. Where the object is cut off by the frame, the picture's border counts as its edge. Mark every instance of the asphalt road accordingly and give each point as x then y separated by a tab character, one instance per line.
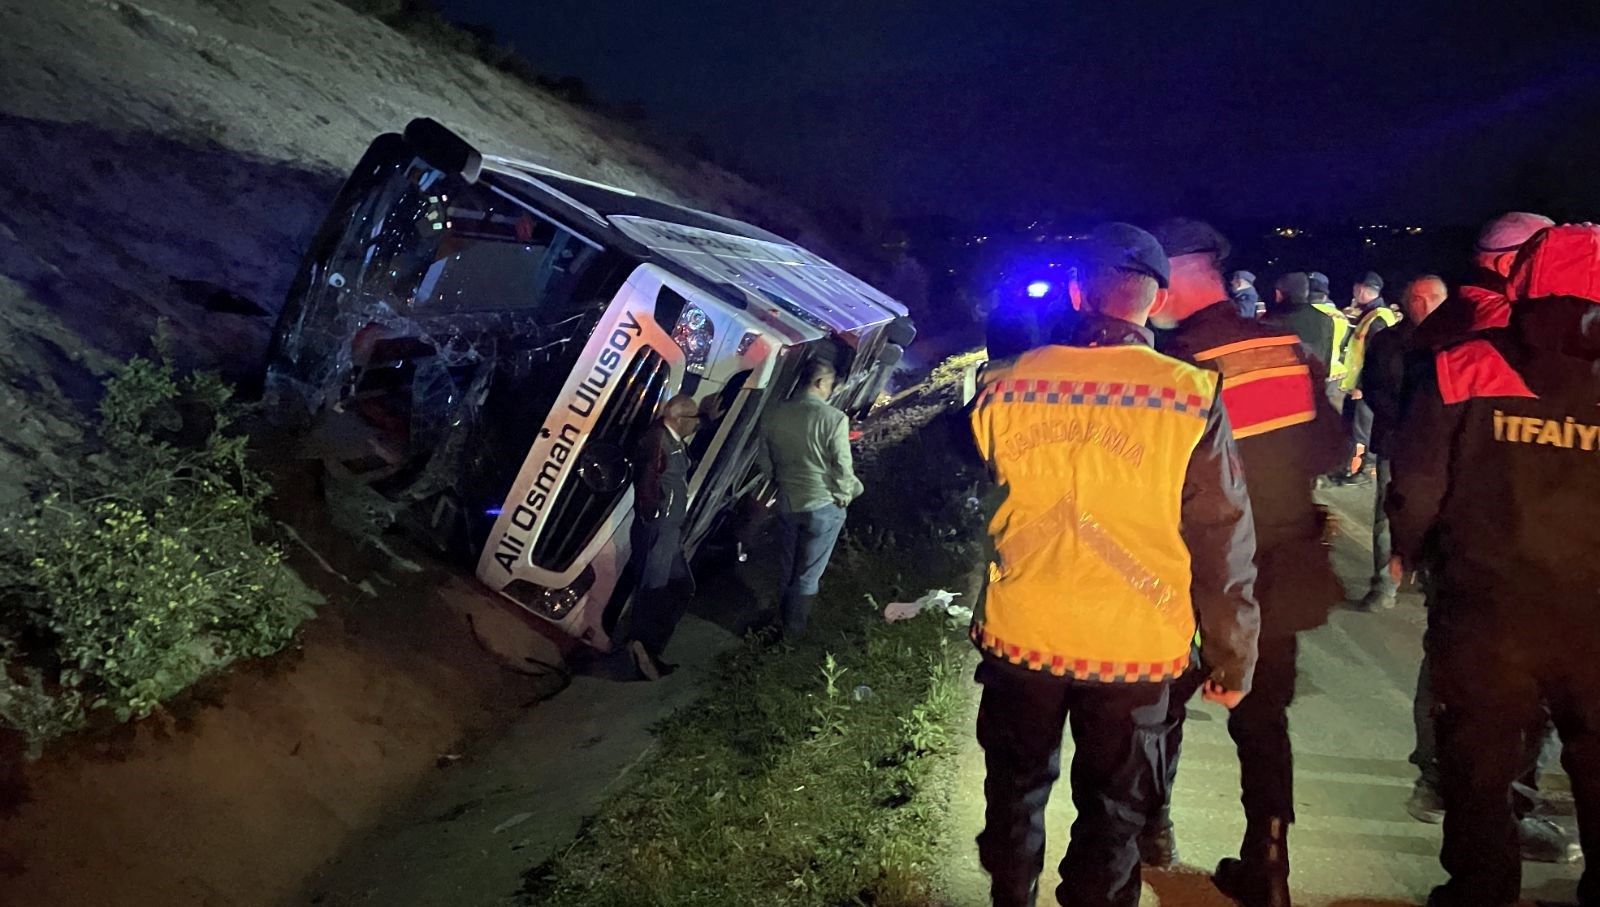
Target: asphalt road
1354	842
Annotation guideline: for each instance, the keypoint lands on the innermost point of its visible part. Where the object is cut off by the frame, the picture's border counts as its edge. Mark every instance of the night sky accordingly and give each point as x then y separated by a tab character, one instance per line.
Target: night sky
1401	109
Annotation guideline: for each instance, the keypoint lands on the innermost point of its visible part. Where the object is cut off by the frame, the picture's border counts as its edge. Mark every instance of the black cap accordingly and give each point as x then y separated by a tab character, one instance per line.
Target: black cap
1183	236
1245	276
1318	282
1126	247
1371	279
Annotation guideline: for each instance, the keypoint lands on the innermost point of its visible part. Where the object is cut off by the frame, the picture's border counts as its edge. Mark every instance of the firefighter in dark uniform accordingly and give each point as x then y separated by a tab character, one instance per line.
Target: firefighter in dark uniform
1471	308
1288	434
1122	515
1496	487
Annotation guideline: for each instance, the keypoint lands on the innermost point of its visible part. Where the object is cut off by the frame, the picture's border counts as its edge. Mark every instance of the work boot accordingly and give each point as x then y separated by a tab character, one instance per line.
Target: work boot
643	662
1378	598
1260	877
1543	841
1425	804
1000	897
1158	845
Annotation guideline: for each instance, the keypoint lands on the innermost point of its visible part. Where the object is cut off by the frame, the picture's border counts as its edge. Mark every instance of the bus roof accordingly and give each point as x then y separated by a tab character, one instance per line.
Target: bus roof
729	255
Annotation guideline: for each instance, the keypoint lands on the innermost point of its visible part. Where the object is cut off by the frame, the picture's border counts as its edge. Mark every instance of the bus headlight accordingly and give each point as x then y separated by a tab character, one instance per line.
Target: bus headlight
693	334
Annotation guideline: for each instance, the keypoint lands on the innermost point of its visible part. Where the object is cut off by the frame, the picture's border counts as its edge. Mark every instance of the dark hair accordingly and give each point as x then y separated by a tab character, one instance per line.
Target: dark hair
815	370
1116	291
1296	287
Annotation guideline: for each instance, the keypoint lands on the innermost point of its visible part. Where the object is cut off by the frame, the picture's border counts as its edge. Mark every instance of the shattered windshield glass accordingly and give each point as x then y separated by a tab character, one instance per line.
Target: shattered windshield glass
432	326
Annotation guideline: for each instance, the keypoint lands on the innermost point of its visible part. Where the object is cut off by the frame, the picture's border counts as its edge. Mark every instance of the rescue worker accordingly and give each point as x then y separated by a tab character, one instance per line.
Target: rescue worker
1372	316
805	448
661	507
1378	418
1122	514
1477	307
1318	297
1242	290
1288	435
1495	489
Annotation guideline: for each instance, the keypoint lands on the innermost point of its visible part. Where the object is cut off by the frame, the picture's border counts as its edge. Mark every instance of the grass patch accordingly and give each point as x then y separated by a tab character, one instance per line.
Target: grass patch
806	777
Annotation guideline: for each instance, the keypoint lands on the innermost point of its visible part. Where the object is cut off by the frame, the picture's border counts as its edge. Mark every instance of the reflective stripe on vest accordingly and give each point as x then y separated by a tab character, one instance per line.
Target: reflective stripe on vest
1476	369
1265	384
1091	575
1358	344
1341	337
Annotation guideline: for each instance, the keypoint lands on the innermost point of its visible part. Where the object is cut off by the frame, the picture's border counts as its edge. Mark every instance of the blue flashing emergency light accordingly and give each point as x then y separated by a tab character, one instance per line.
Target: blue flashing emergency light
1038	289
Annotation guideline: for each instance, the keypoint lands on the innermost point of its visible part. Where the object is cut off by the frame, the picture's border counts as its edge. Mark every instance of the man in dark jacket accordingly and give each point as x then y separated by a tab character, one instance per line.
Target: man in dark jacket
1291	312
1377	418
1495	488
1288	434
660	508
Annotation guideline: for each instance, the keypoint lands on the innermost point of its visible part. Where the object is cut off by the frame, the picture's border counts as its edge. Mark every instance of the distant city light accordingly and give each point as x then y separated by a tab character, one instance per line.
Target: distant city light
1038	288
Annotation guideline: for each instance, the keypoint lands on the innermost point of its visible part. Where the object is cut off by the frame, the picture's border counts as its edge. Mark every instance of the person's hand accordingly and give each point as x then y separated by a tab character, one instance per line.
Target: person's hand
1355	394
1397	569
1211	691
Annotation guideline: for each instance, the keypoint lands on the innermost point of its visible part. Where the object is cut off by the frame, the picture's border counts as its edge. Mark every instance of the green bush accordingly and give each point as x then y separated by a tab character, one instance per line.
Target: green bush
148	570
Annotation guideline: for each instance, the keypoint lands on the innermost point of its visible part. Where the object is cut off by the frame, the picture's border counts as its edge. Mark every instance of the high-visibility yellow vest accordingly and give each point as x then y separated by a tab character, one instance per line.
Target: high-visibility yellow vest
1357	355
1341	336
1090	577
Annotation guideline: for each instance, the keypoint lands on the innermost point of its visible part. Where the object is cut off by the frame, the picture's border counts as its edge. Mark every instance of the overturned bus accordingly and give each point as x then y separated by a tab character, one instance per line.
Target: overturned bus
476	344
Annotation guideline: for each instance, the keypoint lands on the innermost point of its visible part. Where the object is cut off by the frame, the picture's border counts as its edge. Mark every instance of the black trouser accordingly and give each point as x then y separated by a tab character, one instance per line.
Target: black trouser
1114	728
1259	727
1525	796
1164	768
657	559
1493	681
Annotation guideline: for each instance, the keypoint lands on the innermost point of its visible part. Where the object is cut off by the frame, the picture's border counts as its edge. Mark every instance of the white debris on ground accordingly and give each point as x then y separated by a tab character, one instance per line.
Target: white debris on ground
936	601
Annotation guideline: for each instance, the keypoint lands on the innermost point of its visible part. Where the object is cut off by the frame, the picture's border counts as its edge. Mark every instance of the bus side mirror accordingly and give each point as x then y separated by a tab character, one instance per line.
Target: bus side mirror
443	149
901	331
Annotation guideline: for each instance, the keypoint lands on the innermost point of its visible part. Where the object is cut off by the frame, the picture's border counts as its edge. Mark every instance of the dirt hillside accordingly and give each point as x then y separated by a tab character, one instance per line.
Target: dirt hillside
169	159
